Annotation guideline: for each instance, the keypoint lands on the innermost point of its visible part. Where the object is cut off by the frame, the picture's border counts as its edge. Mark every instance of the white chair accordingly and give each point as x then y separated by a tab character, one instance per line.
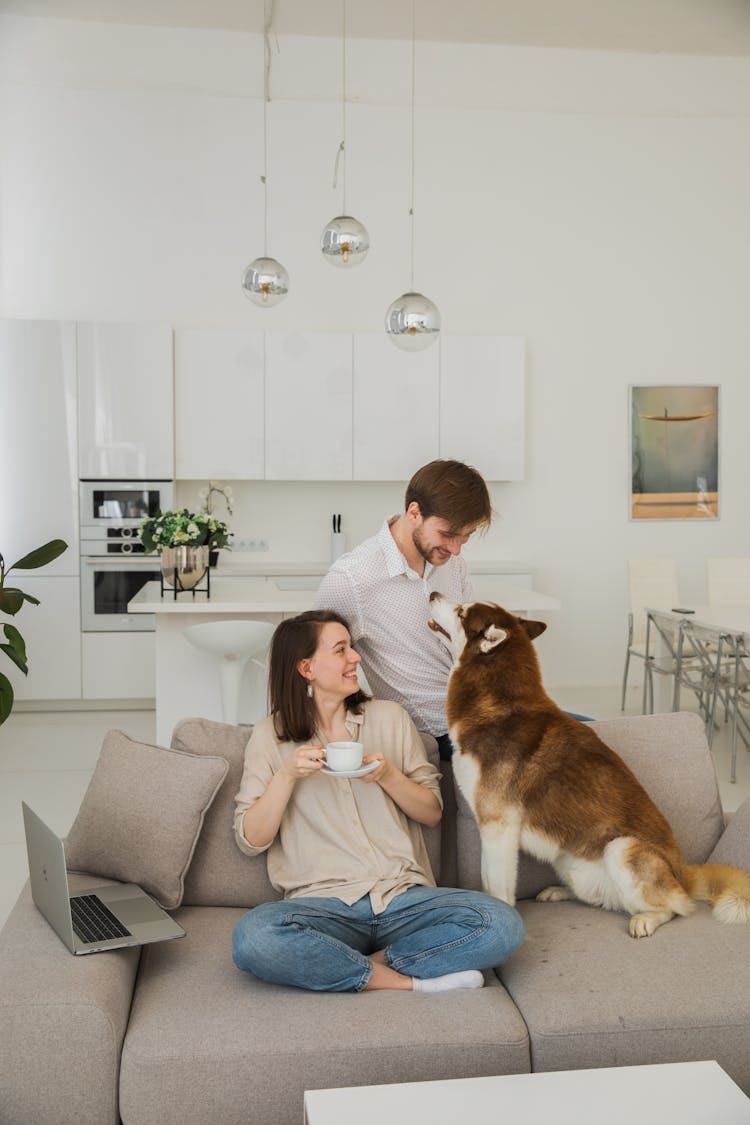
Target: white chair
235	642
728	581
652	582
705	664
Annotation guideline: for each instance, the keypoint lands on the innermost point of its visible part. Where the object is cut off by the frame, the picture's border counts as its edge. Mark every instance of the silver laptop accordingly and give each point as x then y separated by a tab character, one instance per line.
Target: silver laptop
106	917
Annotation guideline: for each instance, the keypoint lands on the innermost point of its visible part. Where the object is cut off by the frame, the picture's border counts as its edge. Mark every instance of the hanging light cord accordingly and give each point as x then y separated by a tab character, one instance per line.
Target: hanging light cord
267	26
413	88
341	150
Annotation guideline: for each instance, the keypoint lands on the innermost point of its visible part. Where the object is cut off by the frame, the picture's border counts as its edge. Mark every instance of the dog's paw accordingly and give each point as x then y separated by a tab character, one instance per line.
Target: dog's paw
555	894
643	925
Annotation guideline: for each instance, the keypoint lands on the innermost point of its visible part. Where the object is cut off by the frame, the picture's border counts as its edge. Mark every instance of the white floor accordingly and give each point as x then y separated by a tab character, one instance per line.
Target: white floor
47	757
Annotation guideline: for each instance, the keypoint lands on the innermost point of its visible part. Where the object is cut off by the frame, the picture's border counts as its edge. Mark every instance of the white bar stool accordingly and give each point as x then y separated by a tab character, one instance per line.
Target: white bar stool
235	642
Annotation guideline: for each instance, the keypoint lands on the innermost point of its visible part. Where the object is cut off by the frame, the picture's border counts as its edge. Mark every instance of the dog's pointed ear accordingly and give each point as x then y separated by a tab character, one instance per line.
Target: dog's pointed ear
493	636
533	628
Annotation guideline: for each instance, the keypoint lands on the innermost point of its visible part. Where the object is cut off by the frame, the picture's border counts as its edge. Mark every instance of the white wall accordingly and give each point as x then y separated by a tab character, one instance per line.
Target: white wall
594	202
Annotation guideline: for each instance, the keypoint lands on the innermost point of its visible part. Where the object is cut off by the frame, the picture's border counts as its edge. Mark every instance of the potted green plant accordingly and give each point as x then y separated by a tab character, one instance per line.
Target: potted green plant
11	601
184	540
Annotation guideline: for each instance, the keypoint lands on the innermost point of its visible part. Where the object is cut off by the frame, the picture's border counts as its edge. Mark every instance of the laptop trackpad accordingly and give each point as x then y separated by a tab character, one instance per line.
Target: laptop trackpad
131	911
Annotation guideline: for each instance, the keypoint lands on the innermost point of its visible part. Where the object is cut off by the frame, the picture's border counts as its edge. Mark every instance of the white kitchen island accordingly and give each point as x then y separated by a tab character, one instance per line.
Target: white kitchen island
187	679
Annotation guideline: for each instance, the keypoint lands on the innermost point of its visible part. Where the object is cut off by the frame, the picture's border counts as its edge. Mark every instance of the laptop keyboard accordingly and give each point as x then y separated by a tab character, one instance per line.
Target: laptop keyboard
92	921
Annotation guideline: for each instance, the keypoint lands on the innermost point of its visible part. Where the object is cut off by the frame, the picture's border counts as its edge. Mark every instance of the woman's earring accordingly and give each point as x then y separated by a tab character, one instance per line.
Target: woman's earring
309	690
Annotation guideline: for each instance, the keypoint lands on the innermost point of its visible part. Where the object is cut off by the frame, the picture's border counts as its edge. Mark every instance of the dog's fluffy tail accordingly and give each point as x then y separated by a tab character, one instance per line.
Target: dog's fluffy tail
726	888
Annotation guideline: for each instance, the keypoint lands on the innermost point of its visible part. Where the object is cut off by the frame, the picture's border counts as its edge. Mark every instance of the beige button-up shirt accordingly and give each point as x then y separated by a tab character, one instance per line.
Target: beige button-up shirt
339	837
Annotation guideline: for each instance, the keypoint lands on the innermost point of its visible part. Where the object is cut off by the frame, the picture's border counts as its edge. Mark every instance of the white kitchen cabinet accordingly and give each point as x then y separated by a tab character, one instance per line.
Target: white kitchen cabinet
39	486
52	632
308	406
125	402
396	409
482	403
219	404
119	666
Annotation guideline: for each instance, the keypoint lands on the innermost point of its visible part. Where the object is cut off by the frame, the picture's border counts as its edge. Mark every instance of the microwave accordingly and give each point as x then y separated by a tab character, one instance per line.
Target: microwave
121	503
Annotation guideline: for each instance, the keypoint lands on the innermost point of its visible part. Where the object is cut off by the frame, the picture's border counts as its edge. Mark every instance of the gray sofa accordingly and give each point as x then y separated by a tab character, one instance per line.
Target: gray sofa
174	1033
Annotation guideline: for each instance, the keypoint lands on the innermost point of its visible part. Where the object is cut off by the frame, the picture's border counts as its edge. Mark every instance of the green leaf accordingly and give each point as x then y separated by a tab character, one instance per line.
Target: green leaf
16	648
6	698
11	600
41	556
19	663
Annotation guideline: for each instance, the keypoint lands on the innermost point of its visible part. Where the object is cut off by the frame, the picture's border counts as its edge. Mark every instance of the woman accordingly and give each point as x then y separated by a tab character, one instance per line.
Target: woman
361	910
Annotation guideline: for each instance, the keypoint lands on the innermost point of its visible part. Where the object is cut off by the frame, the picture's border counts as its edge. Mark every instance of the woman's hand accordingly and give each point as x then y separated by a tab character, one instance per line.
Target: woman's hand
304	762
417	801
382	772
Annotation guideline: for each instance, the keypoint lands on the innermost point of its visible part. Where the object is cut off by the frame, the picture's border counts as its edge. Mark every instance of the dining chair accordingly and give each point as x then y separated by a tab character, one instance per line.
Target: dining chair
728	580
703	664
652	582
737	699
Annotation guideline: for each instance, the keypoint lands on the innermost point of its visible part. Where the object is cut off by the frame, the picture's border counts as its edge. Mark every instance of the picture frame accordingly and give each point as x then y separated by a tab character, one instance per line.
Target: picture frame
674	451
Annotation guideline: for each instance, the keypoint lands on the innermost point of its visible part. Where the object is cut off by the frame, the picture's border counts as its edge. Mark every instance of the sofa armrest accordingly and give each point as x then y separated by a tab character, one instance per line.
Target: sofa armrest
733	846
62	1023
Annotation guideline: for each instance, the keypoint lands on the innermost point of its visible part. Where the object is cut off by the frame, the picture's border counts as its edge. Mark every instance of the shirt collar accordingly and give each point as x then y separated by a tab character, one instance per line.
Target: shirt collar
354	720
394	561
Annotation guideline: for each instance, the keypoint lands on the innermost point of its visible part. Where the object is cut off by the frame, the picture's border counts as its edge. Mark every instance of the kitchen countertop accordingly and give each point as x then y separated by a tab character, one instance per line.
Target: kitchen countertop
248	595
233	563
228	595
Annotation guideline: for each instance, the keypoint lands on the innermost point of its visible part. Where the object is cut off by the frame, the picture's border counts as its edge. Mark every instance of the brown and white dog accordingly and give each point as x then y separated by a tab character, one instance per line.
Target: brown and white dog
539	780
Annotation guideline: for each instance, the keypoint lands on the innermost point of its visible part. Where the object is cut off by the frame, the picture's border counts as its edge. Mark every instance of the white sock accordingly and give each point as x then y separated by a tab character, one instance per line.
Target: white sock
470	978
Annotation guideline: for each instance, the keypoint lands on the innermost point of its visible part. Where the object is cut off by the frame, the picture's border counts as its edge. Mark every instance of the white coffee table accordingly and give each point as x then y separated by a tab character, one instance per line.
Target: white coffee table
693	1093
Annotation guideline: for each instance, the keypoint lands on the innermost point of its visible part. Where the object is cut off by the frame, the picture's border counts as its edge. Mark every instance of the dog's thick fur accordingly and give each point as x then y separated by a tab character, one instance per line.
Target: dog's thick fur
540	780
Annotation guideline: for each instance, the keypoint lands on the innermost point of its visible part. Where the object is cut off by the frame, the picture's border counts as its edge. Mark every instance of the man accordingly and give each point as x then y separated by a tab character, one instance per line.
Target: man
383	587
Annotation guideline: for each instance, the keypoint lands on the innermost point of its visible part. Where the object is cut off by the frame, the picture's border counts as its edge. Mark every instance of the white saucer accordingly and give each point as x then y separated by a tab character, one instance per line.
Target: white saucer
351	773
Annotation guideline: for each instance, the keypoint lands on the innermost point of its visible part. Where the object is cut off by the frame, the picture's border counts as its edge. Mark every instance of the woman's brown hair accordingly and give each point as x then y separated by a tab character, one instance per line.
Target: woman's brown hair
295	639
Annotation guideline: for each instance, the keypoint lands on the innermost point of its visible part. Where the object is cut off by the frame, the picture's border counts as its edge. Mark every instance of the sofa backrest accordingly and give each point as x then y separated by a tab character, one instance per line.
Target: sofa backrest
220	874
670	757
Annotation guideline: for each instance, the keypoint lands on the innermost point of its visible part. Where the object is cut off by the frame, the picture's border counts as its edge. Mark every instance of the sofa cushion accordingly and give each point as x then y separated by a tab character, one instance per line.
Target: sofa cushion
592	996
220	874
209	1043
142	814
734	844
670	757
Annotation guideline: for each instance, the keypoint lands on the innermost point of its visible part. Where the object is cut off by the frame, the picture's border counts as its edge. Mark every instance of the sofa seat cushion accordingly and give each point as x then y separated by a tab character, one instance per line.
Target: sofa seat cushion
211	1045
592	996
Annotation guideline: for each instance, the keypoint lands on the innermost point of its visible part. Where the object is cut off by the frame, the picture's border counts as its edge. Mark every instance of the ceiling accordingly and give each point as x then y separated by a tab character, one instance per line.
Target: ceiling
694	27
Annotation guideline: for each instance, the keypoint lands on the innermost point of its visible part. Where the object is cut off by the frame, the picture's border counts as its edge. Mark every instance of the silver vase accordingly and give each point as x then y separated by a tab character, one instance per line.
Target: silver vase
188	563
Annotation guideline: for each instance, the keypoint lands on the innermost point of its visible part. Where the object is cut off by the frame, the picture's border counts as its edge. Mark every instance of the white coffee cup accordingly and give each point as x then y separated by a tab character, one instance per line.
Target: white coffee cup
344	755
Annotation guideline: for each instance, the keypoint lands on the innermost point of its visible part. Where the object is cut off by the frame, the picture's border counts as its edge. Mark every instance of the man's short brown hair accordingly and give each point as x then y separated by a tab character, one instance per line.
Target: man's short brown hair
452	491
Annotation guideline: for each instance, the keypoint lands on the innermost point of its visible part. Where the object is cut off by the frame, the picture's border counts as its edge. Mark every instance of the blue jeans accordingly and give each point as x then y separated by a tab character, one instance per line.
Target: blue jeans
323	945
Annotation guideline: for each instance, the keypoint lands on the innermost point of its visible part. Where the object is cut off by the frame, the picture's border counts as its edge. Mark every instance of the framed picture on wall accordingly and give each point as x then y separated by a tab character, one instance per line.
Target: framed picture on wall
674	452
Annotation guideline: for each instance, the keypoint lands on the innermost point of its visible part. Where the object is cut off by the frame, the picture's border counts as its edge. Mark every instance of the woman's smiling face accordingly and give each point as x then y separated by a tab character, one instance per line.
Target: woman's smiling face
333	666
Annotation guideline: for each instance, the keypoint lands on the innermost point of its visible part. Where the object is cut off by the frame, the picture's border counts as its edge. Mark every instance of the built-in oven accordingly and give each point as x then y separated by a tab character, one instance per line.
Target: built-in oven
113	564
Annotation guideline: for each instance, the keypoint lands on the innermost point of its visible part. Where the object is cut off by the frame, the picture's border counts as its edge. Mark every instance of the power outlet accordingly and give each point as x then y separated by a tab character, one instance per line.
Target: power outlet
244	544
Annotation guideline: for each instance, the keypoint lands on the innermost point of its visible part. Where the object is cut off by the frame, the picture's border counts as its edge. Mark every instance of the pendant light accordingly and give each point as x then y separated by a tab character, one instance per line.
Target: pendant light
344	241
265	281
412	320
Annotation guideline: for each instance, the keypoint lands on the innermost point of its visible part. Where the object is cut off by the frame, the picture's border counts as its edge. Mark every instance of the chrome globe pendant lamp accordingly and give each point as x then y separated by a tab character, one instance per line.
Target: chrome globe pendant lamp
265	281
344	241
412	321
